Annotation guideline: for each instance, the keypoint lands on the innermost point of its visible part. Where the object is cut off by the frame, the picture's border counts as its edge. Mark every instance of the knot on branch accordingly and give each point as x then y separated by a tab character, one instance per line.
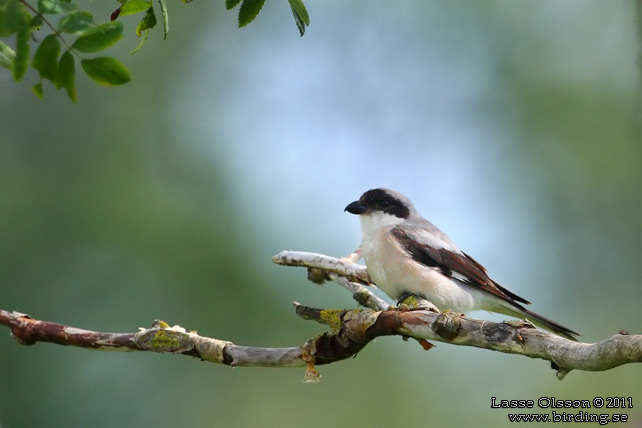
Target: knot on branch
163	338
447	326
22	329
349	333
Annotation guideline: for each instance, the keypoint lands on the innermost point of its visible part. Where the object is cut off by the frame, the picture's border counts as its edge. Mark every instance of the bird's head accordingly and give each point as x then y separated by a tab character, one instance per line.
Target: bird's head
382	207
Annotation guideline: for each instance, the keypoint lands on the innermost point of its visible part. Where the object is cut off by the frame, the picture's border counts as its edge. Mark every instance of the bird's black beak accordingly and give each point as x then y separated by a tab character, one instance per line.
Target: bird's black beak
355	208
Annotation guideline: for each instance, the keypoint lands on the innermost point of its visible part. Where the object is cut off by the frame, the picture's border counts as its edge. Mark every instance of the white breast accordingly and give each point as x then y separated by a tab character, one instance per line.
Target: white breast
395	272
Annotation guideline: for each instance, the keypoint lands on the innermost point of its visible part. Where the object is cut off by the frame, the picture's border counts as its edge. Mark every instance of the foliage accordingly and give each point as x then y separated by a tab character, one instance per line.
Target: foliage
55	57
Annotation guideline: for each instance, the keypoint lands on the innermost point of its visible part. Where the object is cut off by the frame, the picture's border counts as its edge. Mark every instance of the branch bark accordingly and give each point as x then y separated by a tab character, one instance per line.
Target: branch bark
160	337
351	331
513	337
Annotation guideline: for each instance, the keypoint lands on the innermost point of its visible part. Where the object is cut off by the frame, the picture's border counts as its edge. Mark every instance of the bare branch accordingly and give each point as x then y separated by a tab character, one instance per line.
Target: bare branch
344	267
514	337
361	326
351	331
159	338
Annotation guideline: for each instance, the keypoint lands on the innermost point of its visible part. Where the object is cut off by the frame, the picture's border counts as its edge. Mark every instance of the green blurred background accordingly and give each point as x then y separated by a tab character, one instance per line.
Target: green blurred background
512	125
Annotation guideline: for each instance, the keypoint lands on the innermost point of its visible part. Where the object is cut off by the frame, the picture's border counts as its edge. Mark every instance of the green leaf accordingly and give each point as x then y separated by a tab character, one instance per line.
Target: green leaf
54	6
148	21
165	16
106	71
13	18
231	4
249	10
76	22
22	53
67	75
37	89
301	17
134	6
45	59
99	37
7	56
36	22
141	43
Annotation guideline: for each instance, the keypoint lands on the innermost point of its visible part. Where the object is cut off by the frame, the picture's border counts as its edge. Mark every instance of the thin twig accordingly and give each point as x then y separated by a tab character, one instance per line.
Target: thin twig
41	16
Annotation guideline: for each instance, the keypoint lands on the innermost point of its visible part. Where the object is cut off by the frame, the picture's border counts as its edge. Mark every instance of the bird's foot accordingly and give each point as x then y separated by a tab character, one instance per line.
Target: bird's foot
520	323
411	302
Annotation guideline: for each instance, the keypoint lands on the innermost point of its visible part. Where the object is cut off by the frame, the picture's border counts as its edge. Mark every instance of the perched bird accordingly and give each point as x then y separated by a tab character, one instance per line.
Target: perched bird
406	254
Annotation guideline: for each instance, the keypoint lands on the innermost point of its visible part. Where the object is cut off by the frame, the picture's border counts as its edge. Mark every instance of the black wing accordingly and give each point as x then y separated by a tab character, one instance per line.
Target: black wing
462	267
458	265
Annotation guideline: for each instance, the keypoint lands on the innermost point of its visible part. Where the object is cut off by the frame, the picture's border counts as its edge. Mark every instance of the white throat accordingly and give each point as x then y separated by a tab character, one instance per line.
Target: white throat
371	223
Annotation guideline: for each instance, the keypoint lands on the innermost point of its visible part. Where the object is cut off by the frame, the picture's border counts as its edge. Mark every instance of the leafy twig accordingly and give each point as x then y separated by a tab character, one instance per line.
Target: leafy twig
37	13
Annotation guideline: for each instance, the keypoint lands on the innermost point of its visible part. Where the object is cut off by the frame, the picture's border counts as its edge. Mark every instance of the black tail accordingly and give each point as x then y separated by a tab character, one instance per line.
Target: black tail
546	323
515	309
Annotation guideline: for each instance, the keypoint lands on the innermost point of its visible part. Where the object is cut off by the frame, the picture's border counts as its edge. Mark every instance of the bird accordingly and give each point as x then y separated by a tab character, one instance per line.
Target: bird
405	254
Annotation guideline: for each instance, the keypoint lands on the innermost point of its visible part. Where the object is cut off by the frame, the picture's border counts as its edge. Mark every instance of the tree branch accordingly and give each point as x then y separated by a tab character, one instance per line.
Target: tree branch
513	337
159	338
351	331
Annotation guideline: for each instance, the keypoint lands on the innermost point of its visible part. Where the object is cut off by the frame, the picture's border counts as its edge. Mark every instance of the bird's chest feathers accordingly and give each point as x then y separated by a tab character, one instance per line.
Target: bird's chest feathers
373	248
393	271
388	264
